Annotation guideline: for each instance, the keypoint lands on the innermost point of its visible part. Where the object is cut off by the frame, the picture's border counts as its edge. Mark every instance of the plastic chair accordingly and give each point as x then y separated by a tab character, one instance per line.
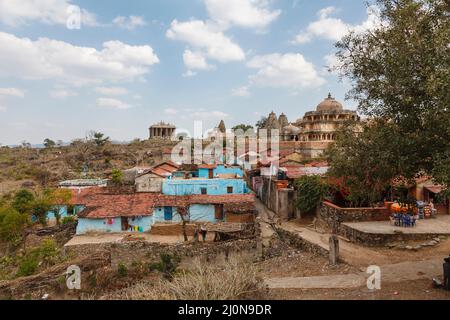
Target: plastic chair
407	221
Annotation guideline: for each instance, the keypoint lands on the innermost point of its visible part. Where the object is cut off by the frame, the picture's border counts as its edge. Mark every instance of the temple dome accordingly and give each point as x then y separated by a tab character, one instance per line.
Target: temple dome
291	129
330	104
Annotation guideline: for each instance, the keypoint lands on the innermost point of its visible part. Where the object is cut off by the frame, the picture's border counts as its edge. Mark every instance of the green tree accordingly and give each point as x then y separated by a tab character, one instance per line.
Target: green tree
41	207
243	127
400	73
12	224
116	176
261	123
311	190
99	139
362	160
23	201
49	143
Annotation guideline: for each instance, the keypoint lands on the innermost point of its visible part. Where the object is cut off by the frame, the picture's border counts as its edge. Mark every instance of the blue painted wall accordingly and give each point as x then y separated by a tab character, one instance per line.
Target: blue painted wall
220	169
144	224
197	213
158	215
202	213
98	225
213	186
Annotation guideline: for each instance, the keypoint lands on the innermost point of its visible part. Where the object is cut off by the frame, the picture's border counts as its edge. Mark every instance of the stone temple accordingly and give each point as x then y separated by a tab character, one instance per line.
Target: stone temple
313	133
162	130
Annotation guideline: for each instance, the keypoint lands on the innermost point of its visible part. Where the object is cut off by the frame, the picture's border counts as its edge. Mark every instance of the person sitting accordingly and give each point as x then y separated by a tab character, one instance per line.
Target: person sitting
432	208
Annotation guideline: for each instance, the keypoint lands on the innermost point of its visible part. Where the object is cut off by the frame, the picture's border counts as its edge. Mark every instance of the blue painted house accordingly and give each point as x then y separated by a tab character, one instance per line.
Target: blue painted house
209	195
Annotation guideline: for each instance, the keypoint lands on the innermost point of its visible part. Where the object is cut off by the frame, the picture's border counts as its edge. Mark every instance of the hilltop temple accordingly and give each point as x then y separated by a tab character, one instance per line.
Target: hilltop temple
162	130
316	130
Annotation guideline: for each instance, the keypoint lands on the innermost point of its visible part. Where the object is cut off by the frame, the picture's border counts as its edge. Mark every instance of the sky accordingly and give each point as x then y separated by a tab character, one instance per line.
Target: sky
71	66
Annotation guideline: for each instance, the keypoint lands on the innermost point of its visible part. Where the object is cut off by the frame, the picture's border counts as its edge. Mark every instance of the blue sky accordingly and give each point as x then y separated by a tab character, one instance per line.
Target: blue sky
136	62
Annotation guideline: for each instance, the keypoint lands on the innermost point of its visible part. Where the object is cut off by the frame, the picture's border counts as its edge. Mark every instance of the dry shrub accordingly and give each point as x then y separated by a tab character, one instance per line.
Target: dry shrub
234	279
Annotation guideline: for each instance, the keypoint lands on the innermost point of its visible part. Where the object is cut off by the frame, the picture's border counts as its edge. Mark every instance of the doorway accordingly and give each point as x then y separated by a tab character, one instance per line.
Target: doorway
218	214
168	213
124	223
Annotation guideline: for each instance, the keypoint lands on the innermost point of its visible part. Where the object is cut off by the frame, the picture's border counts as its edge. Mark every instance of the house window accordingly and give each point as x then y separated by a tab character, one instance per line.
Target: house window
168	213
230	189
204	191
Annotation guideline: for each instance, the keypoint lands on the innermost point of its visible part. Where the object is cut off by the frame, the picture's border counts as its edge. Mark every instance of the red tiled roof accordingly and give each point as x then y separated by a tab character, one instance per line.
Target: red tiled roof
163	169
207	166
100	206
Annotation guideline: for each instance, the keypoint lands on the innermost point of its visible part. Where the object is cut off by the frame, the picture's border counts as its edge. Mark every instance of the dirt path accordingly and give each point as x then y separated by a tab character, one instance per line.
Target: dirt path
396	266
266	217
392	273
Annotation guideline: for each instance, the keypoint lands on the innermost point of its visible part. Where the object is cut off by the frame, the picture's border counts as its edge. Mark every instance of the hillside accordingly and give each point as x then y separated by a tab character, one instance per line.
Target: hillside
32	167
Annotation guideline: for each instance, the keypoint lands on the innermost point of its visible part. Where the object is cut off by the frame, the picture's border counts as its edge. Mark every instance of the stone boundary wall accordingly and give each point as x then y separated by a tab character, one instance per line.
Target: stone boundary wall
378	240
298	242
329	213
149	252
281	201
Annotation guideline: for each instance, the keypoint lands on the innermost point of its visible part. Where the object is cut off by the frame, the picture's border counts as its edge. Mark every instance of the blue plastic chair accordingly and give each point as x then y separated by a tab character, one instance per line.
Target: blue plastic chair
407	221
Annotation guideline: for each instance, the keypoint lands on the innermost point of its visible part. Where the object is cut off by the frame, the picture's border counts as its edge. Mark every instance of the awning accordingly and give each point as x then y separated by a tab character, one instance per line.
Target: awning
434	189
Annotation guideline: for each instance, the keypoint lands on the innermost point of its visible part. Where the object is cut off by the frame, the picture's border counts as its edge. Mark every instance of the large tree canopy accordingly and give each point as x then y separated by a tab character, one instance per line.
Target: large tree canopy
400	74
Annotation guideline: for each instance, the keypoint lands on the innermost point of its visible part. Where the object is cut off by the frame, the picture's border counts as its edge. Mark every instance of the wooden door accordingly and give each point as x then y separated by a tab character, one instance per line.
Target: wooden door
218	212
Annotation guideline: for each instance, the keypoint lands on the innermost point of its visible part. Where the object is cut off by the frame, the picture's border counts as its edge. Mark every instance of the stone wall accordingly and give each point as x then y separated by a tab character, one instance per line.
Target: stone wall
382	239
329	214
148	252
294	240
280	201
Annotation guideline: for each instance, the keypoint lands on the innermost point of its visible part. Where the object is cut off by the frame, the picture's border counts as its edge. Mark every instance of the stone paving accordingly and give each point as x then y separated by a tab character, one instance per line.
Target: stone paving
438	225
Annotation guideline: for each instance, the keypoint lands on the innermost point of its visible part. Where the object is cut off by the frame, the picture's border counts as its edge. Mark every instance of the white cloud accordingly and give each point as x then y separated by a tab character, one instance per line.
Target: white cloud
289	70
244	13
112	104
130	23
241	92
52	59
62	94
2	108
332	62
334	29
12	92
208	115
207	38
112	91
171	111
18	12
196	61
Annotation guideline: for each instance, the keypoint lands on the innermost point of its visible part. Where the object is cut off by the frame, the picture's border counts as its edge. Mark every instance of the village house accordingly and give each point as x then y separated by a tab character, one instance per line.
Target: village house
165	195
152	179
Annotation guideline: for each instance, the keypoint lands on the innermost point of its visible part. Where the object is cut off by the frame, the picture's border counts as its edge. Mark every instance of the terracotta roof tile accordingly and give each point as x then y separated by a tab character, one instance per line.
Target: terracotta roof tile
142	204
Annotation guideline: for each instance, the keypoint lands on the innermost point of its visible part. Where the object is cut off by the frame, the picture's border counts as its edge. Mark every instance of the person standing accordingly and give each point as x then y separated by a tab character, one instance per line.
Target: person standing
203	231
196	233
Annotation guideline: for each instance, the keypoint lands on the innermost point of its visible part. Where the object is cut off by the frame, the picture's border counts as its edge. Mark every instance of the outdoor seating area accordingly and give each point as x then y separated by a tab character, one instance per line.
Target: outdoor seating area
408	215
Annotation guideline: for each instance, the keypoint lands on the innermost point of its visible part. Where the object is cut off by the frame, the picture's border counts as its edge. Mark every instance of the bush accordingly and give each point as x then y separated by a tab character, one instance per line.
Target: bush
28	266
47	254
12	224
67	220
122	270
23	201
167	266
234	279
116	177
310	192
